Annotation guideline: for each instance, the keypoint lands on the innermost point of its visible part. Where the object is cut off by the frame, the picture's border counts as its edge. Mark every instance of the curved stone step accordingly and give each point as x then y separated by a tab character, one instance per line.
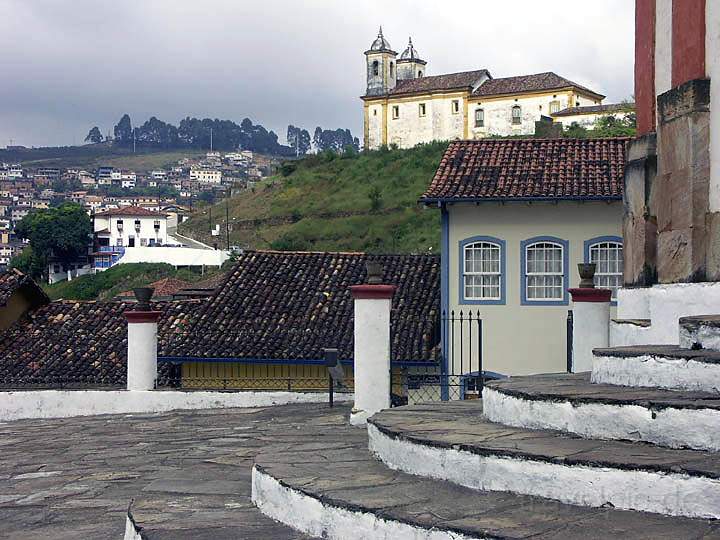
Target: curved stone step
701	331
571	403
454	442
342	493
658	366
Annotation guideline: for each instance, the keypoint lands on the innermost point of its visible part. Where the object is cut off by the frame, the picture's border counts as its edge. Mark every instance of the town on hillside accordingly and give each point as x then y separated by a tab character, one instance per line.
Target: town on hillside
494	315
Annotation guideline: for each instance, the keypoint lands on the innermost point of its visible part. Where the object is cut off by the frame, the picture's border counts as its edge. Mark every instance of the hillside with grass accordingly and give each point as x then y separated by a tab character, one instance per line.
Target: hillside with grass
328	202
123	277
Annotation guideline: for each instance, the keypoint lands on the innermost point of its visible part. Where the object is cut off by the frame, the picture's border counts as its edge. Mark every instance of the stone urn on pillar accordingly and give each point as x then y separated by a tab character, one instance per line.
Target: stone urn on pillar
591	318
142	342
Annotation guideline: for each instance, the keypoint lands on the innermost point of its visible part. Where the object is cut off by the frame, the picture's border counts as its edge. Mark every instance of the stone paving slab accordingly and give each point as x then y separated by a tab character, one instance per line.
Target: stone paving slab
460	425
189	472
577	388
349	479
705	356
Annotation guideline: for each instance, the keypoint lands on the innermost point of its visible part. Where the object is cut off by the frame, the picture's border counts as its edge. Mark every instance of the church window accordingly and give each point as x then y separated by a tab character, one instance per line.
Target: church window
376	68
396	112
421	109
420	74
516	115
554	106
577	103
455	106
479	118
392	70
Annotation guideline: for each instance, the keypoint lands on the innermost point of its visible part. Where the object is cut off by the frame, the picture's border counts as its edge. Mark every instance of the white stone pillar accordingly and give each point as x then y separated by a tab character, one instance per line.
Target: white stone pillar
591	325
142	349
372	350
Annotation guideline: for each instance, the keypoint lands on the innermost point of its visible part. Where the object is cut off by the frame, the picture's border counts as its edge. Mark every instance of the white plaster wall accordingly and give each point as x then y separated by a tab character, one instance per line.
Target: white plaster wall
142	356
525	339
372	358
657	372
663	46
176	256
622	334
587	120
676	428
67	403
659	492
374	126
147	228
708	337
670	302
320	519
590	331
439	122
712	65
633	303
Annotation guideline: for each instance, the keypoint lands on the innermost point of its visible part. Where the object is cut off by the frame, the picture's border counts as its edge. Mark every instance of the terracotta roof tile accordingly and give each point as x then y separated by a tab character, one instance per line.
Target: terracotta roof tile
163	287
530	169
594	109
527	83
132	211
13	279
434	83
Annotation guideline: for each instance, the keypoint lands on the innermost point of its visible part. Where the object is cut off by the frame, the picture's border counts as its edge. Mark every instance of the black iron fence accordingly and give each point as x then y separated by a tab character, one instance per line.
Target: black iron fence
457	374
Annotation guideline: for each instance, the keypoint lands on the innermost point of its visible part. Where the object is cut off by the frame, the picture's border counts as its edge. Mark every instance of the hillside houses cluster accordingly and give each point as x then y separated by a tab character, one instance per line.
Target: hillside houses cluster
24	189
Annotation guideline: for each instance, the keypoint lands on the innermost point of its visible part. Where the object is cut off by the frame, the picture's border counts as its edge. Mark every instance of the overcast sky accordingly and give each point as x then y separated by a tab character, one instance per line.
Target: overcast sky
67	65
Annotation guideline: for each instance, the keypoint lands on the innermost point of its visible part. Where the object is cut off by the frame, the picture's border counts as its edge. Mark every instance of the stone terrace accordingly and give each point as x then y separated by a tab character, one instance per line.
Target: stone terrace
189	472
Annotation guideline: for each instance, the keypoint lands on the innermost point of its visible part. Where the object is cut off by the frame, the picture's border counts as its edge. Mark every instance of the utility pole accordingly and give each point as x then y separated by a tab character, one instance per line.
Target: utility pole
227	220
133	141
210	139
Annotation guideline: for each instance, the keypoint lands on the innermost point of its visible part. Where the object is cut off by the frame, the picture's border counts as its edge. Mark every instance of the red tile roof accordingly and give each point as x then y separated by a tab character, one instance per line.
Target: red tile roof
13	279
133	211
506	169
527	83
596	109
450	81
163	287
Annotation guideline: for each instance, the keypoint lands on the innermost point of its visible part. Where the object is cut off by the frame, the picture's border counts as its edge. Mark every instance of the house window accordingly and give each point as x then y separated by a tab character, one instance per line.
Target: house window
421	109
479	118
137	224
544	271
607	254
455	106
516	114
482	260
120	224
554	106
396	112
376	68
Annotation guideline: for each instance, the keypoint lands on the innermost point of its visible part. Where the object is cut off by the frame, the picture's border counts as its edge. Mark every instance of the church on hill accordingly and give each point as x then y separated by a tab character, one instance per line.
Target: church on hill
404	106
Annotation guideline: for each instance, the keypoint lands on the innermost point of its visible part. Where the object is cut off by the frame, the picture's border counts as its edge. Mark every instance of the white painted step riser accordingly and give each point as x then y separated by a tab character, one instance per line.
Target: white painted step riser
675	428
707	337
657	372
316	518
625	334
670	494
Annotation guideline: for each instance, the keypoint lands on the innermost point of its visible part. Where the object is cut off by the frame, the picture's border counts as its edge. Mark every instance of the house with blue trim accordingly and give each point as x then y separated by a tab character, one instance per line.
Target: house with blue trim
518	215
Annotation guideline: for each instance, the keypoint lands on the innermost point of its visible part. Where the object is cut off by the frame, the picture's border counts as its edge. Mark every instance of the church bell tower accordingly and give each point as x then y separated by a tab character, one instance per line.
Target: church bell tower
381	66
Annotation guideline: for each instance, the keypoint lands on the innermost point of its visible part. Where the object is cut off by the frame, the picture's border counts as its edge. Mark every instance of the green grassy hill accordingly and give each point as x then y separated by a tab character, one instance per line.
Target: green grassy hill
365	202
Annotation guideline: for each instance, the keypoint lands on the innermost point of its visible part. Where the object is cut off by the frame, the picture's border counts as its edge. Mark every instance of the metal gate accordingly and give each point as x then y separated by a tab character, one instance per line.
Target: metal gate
457	372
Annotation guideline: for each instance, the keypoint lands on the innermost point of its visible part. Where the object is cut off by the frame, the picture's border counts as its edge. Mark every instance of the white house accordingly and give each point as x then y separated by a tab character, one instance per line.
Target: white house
130	226
518	215
206	176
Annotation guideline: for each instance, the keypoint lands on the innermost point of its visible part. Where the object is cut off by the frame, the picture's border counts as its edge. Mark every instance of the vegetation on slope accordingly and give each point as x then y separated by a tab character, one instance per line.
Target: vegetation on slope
120	278
350	202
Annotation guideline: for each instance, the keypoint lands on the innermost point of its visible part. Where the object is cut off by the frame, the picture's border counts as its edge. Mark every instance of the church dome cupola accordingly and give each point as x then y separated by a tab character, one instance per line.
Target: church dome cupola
380	43
410	65
381	66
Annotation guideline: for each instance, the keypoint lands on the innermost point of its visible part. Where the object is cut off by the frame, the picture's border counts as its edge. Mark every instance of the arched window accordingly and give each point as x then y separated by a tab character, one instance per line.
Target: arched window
554	106
544	270
420	73
607	254
483	265
516	114
376	68
392	69
479	118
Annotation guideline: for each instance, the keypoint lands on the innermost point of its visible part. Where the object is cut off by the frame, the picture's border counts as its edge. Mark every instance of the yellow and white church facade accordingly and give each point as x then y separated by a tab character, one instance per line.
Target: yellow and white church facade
403	106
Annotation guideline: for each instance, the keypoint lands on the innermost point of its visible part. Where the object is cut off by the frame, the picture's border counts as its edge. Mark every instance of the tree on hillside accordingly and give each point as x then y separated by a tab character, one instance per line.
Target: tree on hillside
157	133
334	140
62	232
299	140
605	126
123	131
94	136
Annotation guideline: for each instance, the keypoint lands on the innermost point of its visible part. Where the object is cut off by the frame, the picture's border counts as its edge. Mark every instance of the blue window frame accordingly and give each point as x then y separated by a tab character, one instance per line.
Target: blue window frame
544	271
607	253
482	271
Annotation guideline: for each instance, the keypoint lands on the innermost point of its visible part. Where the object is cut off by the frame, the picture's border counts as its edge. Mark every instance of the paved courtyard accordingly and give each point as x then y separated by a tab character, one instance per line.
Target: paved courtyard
187	472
